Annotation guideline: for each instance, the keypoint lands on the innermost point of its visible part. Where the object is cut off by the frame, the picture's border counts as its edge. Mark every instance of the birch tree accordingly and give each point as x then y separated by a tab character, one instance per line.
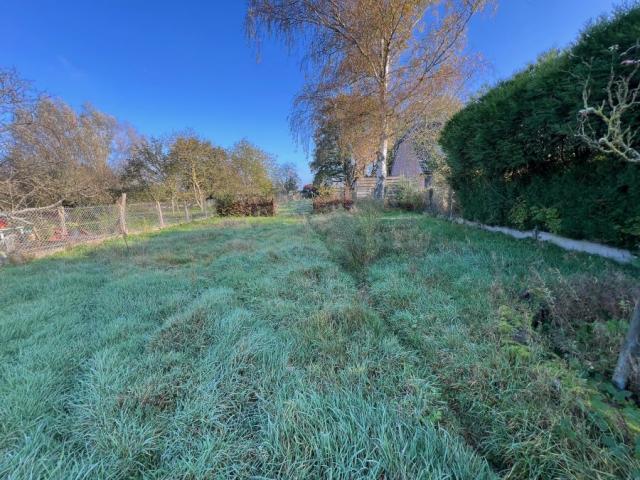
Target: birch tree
401	53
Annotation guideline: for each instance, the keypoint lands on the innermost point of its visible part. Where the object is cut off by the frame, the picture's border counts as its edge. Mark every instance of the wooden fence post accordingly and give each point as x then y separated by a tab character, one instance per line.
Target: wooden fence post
122	207
63	222
160	216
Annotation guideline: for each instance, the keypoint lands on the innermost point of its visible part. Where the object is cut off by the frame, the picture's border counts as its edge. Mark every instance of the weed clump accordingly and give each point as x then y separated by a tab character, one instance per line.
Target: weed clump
585	318
367	235
354	240
330	204
407	196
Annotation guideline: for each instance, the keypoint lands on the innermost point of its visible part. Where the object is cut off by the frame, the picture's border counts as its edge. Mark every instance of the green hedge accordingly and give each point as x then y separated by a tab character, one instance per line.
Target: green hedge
515	159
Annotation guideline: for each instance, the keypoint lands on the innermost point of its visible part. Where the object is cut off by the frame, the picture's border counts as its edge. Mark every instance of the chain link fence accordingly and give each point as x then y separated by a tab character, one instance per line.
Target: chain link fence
42	230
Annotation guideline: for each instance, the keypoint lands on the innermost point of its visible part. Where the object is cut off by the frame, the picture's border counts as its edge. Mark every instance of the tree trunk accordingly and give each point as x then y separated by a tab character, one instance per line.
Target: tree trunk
383	151
160	216
349	179
381	168
629	352
187	217
197	191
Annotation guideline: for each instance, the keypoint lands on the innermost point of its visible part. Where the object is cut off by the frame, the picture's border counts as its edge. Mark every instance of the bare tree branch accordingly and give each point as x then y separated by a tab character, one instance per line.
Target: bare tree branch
603	126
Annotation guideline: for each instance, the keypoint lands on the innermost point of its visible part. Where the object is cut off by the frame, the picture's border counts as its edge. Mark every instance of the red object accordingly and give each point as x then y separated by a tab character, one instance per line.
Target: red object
3	223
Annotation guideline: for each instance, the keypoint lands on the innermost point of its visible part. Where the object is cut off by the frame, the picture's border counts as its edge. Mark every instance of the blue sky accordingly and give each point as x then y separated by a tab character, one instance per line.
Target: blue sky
169	65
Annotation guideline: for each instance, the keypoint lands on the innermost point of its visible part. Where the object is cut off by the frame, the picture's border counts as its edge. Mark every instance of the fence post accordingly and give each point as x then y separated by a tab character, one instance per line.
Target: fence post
160	217
63	222
186	212
122	207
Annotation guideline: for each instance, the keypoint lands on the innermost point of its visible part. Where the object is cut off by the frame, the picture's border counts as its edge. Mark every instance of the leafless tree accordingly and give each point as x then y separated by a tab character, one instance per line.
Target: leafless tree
401	53
284	177
57	154
15	95
604	127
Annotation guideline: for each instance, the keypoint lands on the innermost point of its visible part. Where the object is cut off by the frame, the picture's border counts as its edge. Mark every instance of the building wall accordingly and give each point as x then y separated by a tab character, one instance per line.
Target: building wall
406	161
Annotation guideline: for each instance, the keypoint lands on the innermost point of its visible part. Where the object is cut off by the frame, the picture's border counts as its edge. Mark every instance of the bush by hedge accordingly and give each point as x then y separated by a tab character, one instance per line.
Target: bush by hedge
515	159
407	196
231	205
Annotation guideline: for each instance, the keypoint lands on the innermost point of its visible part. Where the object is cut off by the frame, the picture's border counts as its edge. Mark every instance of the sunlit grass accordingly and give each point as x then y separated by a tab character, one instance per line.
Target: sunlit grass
279	348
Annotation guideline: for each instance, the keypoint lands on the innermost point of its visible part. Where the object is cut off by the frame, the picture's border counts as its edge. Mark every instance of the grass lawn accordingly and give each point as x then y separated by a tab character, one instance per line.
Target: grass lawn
376	346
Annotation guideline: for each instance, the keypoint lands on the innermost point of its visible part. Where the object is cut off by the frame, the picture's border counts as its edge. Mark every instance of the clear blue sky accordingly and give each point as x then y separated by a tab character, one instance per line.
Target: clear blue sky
169	65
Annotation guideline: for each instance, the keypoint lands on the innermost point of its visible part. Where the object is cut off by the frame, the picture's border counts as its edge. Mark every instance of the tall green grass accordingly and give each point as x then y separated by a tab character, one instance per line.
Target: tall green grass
457	302
375	345
227	350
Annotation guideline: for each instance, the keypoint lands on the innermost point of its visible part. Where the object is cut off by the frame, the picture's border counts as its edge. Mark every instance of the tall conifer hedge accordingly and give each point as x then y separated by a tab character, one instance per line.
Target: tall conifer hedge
515	159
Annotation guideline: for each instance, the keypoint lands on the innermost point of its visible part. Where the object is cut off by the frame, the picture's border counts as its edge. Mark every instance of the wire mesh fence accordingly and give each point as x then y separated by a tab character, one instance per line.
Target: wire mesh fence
42	230
35	231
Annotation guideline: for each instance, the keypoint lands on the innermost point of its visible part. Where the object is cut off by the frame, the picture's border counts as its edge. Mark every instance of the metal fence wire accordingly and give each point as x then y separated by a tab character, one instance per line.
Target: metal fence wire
42	230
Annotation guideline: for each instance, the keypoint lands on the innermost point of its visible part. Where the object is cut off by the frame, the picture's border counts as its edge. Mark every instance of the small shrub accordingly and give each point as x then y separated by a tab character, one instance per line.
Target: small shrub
309	191
524	217
518	214
407	196
354	240
585	318
230	205
329	204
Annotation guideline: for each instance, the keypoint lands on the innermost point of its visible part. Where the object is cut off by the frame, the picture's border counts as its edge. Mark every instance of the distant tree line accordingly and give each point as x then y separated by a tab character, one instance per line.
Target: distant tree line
544	148
52	154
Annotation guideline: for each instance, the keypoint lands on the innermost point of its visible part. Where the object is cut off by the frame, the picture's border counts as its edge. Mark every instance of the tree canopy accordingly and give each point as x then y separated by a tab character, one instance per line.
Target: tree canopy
400	54
51	153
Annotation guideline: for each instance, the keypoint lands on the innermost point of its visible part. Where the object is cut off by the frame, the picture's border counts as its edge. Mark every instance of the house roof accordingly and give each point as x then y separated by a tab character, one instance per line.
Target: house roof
406	162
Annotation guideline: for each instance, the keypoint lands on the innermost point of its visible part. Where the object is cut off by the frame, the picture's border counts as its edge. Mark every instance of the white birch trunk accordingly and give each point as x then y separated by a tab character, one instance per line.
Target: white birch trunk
381	161
381	168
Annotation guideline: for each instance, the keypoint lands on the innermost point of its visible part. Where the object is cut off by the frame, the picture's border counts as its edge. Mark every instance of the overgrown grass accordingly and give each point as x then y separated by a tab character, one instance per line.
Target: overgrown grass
374	346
